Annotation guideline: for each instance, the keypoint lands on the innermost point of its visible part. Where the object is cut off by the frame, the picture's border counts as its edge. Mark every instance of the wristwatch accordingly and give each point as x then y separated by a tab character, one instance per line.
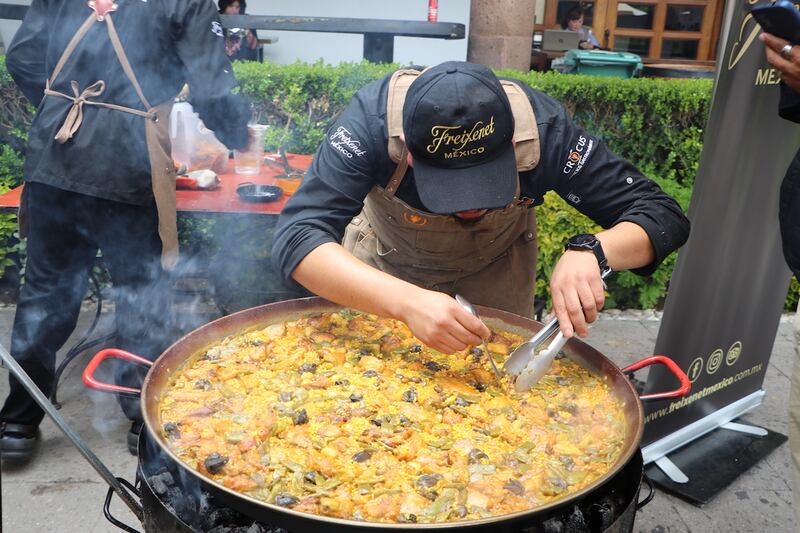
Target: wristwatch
587	241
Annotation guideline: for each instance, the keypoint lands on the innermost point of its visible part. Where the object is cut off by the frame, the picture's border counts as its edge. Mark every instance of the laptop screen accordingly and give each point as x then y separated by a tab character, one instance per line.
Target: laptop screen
559	40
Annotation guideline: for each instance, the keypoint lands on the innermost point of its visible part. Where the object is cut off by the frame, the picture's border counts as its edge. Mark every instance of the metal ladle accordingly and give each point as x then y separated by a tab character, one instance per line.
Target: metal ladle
471	310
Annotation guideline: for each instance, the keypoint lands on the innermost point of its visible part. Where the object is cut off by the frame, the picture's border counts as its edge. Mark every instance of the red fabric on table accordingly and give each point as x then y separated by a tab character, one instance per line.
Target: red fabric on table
221	200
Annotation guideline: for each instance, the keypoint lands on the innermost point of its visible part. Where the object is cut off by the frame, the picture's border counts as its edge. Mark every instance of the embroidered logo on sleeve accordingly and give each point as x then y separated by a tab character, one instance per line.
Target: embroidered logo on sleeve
216	28
578	155
343	141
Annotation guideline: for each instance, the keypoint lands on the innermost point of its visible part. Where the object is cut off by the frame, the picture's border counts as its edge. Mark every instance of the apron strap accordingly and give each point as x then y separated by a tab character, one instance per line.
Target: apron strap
123	60
118	49
399	174
163	182
75	115
79	35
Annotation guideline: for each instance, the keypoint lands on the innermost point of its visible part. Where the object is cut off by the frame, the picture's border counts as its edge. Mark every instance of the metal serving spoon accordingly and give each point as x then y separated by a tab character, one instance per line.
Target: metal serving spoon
471	310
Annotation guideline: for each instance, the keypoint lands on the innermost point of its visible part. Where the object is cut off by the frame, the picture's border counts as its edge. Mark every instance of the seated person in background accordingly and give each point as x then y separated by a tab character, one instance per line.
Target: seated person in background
240	44
573	21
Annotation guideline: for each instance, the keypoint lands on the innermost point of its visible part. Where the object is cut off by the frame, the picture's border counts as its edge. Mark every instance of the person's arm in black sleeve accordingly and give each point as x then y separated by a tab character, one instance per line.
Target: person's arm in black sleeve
332	193
789	105
609	190
25	58
643	223
211	81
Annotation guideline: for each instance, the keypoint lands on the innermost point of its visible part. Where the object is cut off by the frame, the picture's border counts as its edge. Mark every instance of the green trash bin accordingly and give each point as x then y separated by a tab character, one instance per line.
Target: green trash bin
600	63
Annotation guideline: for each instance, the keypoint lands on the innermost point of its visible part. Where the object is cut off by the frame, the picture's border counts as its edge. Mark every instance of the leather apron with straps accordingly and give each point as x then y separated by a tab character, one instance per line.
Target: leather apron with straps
491	261
156	126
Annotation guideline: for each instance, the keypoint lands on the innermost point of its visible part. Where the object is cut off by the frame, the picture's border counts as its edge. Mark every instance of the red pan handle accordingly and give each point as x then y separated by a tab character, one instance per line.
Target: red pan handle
112	353
683	390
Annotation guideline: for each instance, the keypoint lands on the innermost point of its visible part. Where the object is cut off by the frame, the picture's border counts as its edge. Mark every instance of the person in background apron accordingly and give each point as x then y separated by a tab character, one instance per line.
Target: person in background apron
98	174
454	213
785	58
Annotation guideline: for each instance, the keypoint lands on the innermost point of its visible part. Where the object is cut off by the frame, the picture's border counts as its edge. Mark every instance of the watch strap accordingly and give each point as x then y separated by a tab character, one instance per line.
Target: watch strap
590	242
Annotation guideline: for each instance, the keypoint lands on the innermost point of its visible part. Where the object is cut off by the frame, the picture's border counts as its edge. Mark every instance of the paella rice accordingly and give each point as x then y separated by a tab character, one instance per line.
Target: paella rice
348	415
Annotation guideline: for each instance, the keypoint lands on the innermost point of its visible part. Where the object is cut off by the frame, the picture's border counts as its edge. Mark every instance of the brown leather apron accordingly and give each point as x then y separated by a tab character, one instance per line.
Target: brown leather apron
491	262
156	126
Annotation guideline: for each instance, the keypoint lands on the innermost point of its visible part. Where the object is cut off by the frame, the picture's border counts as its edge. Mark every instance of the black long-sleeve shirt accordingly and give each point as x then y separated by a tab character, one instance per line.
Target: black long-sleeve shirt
789	202
354	158
168	43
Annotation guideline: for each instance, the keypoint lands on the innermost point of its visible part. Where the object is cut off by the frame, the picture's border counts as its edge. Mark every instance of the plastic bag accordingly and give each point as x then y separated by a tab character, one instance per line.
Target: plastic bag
193	145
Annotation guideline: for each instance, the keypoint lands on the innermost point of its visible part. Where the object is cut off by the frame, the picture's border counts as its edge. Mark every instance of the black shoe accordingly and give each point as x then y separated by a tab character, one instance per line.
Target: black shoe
133	437
18	442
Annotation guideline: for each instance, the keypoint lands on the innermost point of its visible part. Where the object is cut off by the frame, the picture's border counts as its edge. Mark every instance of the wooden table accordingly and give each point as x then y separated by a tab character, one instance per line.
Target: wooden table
221	200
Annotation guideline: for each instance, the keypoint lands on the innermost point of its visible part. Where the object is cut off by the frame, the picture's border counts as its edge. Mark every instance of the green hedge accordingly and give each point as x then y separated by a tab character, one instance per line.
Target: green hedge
15	118
656	124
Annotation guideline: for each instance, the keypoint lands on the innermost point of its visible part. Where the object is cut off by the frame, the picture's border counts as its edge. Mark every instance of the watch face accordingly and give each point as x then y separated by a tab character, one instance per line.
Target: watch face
584	239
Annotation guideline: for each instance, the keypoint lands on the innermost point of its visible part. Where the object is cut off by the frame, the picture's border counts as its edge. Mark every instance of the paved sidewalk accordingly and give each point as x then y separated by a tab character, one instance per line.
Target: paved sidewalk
61	492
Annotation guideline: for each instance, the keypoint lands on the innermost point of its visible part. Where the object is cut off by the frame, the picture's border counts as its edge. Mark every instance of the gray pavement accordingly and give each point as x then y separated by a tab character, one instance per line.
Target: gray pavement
60	492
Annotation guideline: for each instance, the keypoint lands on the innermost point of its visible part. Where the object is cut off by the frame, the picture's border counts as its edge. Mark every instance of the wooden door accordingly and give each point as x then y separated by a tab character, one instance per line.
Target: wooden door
674	30
683	30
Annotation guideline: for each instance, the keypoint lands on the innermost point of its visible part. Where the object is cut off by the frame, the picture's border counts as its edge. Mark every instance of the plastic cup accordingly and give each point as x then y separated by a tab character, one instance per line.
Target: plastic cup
289	182
248	162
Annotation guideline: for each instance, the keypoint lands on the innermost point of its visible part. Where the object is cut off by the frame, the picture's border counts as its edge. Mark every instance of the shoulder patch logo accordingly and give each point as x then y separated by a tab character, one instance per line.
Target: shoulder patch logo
578	155
216	28
343	141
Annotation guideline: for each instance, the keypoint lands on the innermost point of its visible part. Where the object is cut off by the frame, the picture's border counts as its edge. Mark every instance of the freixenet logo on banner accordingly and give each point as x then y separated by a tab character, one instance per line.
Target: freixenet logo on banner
730	281
746	38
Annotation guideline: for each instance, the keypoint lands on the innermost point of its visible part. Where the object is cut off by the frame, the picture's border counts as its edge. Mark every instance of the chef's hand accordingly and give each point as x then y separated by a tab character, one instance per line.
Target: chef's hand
577	291
788	64
440	322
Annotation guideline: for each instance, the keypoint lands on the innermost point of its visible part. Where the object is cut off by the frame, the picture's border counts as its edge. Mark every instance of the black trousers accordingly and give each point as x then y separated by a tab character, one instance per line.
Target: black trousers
65	231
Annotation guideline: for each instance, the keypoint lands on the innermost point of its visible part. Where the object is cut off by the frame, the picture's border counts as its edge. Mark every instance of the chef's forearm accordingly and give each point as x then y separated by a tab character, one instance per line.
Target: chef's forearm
626	246
333	273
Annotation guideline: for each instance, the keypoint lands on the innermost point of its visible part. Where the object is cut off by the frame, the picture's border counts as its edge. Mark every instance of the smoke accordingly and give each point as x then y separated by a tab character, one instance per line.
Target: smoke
225	264
151	310
228	271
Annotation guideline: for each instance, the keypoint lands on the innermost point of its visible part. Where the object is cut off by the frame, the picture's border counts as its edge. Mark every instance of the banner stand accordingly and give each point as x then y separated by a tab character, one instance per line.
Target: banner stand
657	451
712	462
701	459
730	280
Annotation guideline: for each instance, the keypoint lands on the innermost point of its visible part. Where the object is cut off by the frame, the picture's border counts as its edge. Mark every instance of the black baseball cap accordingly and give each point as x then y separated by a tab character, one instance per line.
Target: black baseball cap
458	126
